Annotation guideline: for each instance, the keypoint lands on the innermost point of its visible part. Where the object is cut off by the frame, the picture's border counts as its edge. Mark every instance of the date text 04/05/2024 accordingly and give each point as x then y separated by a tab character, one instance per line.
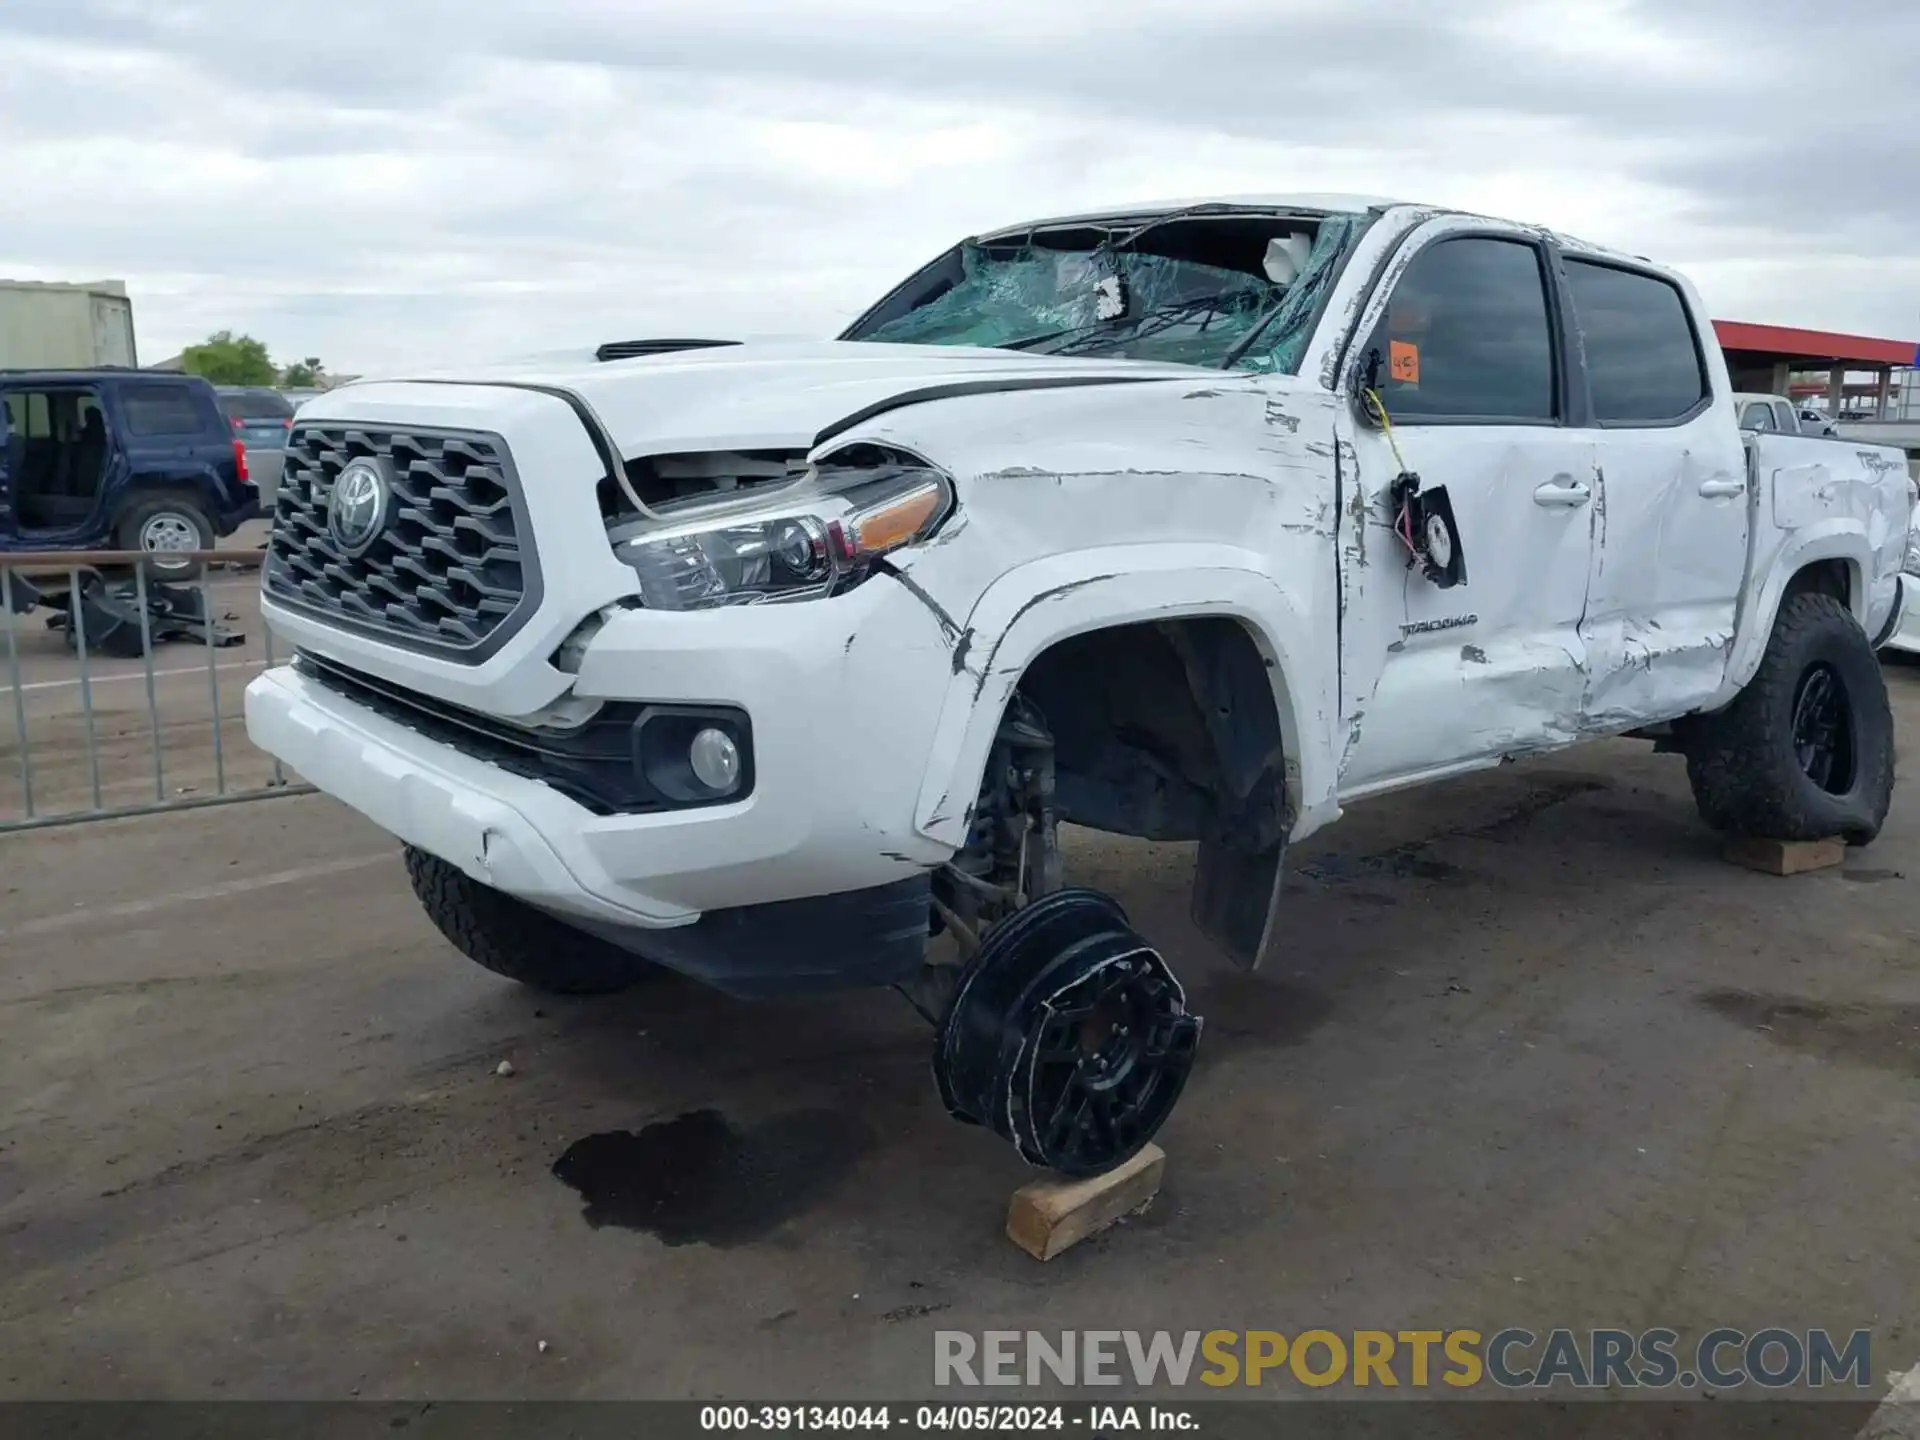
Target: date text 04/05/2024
980	1419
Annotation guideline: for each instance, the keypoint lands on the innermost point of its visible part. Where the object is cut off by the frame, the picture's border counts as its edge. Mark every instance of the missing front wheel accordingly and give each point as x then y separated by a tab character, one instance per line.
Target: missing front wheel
1012	854
1063	1030
1069	1036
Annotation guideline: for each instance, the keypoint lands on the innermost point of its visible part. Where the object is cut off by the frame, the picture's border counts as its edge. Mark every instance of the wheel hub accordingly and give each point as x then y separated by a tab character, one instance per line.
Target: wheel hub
165	533
1068	1036
1823	742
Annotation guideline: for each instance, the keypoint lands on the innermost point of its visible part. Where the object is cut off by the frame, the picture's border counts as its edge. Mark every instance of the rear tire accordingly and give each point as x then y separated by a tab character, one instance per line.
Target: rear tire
158	524
511	938
1805	751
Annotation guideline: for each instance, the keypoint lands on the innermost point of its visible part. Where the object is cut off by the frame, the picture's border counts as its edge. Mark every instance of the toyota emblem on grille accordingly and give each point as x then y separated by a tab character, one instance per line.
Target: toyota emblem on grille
357	509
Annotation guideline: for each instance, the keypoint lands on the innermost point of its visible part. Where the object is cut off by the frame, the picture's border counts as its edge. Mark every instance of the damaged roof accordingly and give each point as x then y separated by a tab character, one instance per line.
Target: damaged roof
1326	203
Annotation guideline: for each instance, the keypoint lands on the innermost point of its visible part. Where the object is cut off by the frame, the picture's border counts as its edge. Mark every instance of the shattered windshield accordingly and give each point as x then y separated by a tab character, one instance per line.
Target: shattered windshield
1242	294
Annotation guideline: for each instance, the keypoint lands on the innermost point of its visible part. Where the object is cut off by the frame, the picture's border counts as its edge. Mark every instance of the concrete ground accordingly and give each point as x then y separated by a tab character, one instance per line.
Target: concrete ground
1534	1056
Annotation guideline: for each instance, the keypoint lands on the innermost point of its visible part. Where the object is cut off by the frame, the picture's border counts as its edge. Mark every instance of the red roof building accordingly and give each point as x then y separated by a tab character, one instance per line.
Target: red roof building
1769	357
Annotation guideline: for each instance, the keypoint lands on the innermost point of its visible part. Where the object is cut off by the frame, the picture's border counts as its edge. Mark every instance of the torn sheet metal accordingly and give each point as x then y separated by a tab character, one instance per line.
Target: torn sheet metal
1077	500
1672	514
1411	699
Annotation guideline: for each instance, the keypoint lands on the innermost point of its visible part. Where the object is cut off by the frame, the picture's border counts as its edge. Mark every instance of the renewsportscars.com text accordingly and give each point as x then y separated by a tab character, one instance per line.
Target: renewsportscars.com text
1511	1359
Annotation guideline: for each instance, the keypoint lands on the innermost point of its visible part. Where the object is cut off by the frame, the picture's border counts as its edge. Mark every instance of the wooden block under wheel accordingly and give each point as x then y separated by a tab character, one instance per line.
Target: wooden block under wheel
1786	857
1051	1215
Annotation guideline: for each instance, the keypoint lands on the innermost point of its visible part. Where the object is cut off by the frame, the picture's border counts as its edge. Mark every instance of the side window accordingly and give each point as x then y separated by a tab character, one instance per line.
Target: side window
1466	336
1643	358
1758	416
1783	416
161	410
28	417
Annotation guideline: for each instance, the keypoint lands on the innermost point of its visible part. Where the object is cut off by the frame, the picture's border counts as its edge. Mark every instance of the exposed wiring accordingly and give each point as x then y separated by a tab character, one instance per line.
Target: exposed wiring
1379	408
1403	490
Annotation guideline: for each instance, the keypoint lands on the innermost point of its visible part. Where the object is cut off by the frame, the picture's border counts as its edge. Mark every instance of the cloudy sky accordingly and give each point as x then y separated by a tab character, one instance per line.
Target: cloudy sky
390	182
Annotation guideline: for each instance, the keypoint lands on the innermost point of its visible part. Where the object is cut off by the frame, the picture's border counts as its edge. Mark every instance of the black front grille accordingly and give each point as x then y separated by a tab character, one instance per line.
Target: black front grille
592	765
453	568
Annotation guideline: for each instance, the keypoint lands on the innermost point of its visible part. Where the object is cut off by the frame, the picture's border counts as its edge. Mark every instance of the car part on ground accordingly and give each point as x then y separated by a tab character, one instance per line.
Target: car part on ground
1806	750
110	613
98	711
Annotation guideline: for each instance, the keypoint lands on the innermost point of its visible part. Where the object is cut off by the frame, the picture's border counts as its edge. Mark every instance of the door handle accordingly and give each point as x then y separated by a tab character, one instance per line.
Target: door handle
1563	492
1719	489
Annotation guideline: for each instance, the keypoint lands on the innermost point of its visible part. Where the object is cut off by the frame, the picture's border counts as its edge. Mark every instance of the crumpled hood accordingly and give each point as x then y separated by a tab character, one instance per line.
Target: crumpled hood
777	395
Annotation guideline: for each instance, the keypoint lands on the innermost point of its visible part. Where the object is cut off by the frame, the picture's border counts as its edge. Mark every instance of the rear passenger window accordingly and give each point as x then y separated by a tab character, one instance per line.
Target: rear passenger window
1643	358
255	405
1466	337
1758	417
161	410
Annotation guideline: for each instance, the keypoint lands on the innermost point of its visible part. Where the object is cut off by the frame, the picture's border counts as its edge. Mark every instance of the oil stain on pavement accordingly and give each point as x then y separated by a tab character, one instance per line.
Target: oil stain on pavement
1882	1034
697	1180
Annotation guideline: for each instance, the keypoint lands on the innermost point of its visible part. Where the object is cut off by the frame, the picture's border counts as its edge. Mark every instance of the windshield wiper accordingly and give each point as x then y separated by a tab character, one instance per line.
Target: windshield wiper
1029	341
1148	323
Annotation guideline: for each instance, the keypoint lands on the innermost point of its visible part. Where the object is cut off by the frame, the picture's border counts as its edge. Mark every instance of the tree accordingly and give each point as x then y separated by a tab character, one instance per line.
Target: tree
308	374
229	359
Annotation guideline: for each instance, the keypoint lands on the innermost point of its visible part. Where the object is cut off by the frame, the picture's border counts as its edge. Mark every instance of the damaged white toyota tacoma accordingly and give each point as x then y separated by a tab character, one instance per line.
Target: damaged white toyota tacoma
771	663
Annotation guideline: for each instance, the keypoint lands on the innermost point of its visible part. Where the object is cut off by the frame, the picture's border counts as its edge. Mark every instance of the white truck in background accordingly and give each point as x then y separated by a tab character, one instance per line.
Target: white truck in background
1761	412
50	326
767	663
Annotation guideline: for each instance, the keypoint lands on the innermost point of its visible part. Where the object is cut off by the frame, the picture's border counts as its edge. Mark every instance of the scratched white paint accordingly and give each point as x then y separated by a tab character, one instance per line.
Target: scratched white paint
1615	578
1140	502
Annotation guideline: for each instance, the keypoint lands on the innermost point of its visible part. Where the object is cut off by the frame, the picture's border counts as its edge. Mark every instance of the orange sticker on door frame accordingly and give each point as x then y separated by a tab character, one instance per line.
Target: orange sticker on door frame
1403	361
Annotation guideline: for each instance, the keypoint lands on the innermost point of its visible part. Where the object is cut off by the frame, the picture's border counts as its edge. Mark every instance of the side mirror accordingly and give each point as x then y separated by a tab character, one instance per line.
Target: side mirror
1366	384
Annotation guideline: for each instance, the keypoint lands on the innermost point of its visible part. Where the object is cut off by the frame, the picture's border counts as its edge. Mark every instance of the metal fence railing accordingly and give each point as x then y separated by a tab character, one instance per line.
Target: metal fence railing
116	703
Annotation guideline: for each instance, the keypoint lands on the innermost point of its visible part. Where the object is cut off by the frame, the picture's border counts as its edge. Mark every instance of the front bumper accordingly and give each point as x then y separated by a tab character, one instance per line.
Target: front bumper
843	696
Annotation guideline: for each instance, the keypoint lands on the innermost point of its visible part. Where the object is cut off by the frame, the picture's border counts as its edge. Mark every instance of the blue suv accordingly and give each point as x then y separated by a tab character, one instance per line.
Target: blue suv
119	460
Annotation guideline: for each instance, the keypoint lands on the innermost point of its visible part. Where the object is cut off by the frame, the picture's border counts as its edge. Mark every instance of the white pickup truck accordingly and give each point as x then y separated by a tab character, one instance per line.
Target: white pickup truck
1759	411
768	663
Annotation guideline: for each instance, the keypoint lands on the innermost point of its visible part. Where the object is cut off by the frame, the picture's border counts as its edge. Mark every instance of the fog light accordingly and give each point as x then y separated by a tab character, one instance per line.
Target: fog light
695	754
715	760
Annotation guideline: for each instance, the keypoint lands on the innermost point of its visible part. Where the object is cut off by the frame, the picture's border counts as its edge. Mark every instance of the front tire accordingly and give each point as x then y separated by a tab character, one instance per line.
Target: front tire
1806	750
511	938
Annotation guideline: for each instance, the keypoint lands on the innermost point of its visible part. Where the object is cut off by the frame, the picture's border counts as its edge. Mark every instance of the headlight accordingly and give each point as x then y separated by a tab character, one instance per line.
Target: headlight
820	537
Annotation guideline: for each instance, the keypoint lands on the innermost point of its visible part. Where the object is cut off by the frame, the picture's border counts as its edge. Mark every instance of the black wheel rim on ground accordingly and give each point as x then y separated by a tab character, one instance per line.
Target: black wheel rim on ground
1068	1036
1823	738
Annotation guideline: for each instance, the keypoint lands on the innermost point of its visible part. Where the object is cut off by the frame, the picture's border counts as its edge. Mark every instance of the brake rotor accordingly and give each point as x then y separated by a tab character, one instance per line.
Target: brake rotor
1068	1035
